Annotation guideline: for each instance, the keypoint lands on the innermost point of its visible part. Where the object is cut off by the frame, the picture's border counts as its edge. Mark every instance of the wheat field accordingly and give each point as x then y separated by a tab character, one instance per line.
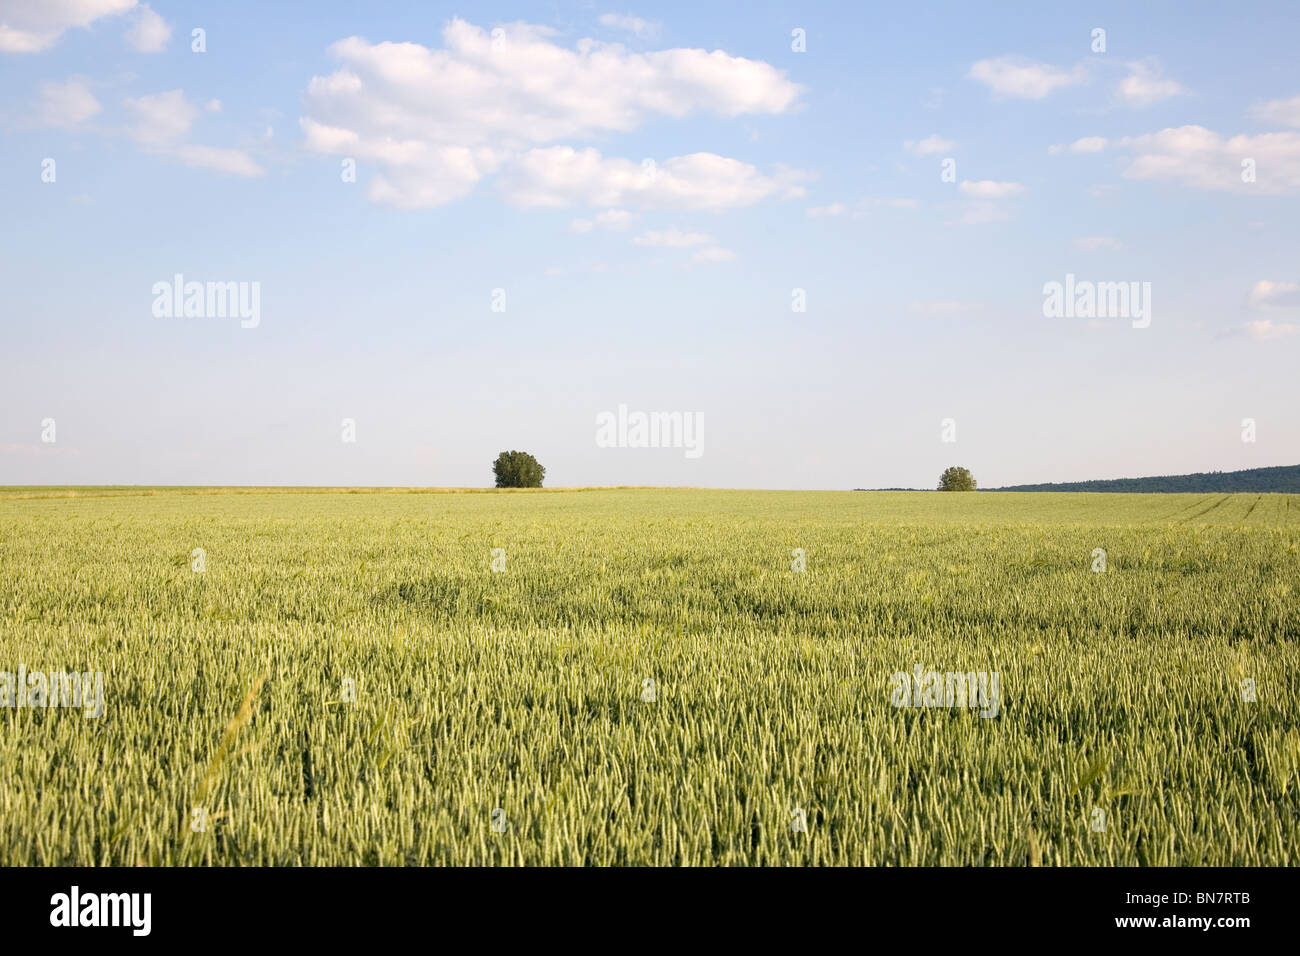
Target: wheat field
646	677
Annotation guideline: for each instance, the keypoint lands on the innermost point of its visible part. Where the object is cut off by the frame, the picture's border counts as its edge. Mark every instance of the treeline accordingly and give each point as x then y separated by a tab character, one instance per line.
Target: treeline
1284	478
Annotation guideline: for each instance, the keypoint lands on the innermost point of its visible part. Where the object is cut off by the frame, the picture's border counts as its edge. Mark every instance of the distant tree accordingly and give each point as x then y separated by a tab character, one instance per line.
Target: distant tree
1281	479
956	479
518	469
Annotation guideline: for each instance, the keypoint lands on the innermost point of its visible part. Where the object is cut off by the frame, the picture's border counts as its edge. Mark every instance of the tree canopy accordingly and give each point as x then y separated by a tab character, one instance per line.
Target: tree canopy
518	469
956	478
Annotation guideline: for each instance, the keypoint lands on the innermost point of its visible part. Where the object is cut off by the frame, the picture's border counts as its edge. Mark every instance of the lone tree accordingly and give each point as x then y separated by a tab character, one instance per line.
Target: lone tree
518	469
956	479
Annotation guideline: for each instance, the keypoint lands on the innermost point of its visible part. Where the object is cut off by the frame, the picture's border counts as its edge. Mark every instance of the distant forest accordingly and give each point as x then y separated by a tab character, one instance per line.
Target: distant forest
1284	478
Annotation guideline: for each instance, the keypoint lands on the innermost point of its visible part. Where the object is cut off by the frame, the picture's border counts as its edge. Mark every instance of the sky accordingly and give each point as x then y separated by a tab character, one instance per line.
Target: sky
825	236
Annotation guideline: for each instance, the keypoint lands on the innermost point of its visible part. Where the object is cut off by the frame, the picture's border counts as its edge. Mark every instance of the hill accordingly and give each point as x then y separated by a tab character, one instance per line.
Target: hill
1284	478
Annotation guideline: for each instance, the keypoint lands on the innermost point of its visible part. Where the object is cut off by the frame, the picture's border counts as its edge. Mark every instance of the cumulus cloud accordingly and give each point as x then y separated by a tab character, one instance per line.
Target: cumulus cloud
219	159
520	89
1201	158
32	26
438	120
930	146
161	117
160	123
1278	112
69	103
1145	85
558	176
150	32
1024	79
1274	295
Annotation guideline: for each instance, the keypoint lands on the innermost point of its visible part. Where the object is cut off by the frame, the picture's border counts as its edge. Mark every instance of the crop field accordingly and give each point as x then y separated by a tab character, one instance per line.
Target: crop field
649	677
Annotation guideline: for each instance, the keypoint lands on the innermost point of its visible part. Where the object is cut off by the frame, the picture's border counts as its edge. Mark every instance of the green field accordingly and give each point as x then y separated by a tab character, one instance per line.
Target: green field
523	689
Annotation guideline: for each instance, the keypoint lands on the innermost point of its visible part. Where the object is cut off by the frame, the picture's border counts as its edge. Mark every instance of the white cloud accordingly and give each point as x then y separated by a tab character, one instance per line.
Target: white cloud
981	205
1274	295
150	32
560	176
31	26
713	255
988	189
528	91
1024	79
233	161
163	120
429	176
1266	329
930	146
1201	158
416	173
672	238
214	106
437	120
332	139
1093	243
161	117
1278	112
634	25
1145	85
68	103
613	219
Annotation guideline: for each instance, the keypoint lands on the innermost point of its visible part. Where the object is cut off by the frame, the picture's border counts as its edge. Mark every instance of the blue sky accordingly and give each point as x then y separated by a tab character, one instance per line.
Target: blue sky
516	161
